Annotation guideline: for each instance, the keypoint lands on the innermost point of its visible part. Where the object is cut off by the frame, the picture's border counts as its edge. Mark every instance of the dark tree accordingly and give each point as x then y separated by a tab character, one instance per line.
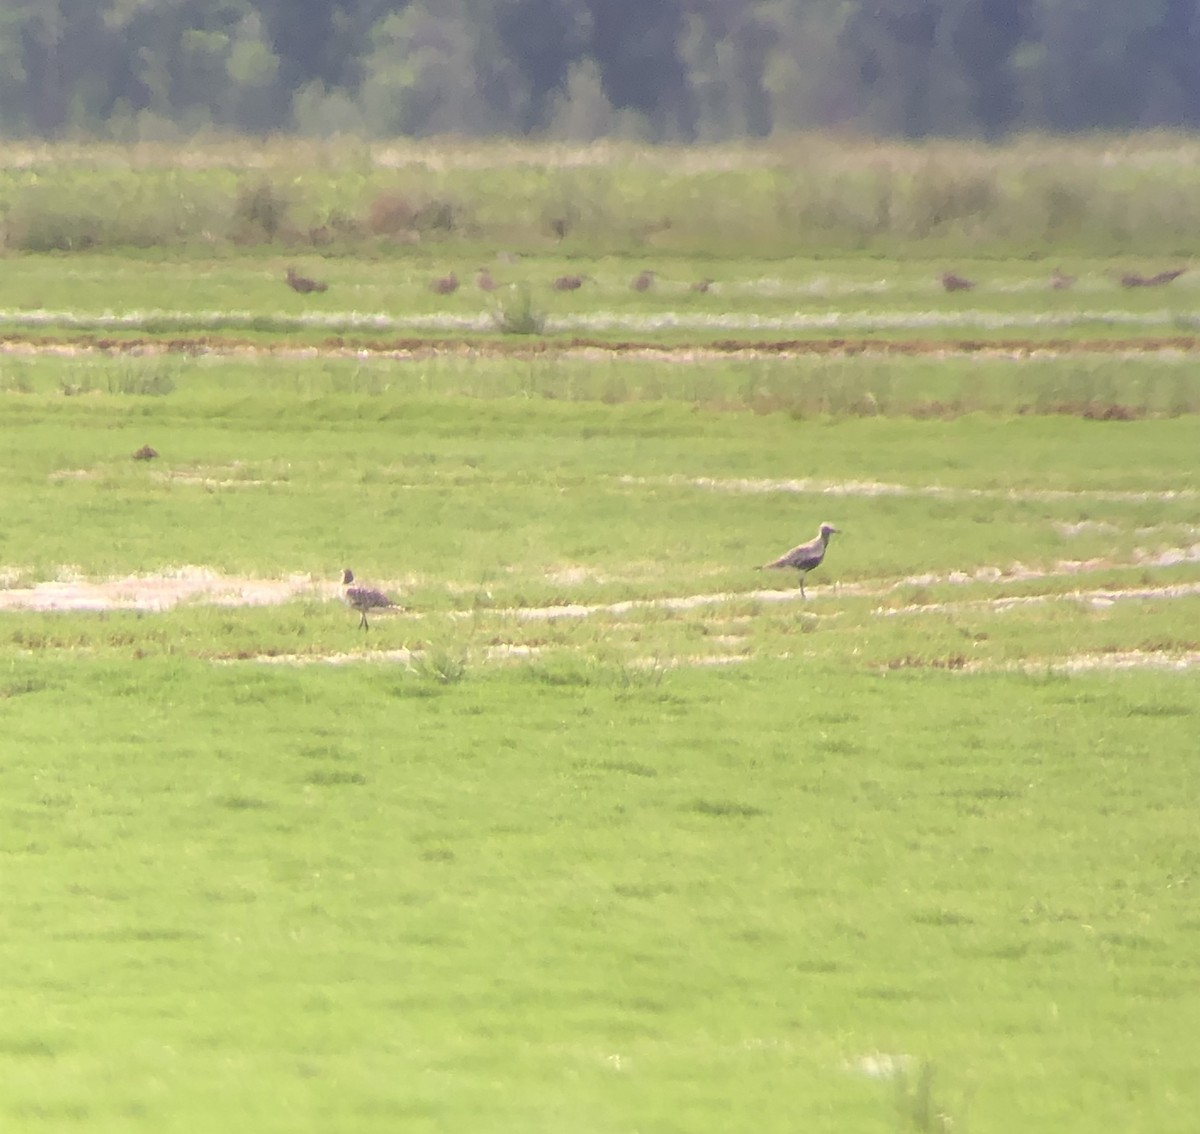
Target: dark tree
985	34
890	44
543	38
636	44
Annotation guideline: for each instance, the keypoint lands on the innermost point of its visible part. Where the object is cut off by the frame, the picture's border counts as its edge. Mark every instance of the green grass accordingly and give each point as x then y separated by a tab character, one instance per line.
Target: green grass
274	469
656	861
345	899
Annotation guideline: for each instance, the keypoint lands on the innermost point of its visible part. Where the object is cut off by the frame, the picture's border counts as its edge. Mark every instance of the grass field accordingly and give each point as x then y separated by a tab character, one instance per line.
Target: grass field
386	302
601	829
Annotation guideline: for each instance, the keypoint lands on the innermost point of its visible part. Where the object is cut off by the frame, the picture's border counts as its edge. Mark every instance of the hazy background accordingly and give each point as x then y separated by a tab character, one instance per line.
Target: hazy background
678	70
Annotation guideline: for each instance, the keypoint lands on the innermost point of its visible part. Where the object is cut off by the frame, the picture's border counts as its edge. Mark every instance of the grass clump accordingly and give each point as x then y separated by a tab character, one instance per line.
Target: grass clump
517	313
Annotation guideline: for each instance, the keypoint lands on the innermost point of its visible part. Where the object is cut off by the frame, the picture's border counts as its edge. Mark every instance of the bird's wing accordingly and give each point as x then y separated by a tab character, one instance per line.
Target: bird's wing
804	557
366	596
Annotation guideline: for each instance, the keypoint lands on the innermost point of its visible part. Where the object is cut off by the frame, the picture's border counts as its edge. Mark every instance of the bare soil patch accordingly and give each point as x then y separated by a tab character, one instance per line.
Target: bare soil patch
163	591
423	347
816	487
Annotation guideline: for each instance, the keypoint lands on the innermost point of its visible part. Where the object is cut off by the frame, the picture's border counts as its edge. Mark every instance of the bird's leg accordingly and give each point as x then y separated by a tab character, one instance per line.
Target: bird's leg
802	594
363	623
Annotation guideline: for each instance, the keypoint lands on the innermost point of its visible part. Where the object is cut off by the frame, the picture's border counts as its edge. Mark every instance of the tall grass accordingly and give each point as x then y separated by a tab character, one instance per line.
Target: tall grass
806	387
808	194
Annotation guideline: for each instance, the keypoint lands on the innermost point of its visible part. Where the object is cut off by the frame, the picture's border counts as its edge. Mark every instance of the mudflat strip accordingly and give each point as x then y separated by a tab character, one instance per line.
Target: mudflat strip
445	344
161	592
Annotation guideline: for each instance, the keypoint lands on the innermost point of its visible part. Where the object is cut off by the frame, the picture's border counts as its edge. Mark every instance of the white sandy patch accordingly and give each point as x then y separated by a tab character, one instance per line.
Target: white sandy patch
862	320
698	661
627	606
1130	659
880	1065
1100	599
72	474
190	480
1015	573
161	591
1085	527
754	486
401	656
1178	661
573	576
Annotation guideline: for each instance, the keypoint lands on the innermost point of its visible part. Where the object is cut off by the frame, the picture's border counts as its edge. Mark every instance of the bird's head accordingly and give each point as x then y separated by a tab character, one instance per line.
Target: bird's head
347	577
827	530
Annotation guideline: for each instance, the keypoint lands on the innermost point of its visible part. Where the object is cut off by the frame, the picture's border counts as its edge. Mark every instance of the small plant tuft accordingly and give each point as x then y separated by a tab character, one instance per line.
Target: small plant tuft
139	382
518	315
441	665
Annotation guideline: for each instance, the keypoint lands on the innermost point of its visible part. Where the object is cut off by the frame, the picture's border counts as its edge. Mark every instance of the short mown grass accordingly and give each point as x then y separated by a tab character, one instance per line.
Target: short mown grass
351	898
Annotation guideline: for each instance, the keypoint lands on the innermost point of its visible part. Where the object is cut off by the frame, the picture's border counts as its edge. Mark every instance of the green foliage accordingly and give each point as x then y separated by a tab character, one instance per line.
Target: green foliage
579	70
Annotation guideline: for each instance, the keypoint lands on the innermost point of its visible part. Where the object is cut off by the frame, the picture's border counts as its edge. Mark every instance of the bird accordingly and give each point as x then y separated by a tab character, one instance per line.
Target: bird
1165	277
445	285
363	599
1060	282
484	280
569	283
953	282
702	285
1134	279
303	284
644	281
805	557
145	453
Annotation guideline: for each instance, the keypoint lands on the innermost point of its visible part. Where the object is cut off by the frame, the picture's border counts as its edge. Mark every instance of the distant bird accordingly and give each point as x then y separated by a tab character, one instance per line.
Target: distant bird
303	284
363	599
569	283
1134	279
644	281
702	285
145	453
952	282
484	280
1165	277
1060	282
806	557
446	285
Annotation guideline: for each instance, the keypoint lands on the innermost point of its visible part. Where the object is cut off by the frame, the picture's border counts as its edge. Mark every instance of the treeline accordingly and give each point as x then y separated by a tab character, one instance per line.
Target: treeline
662	70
